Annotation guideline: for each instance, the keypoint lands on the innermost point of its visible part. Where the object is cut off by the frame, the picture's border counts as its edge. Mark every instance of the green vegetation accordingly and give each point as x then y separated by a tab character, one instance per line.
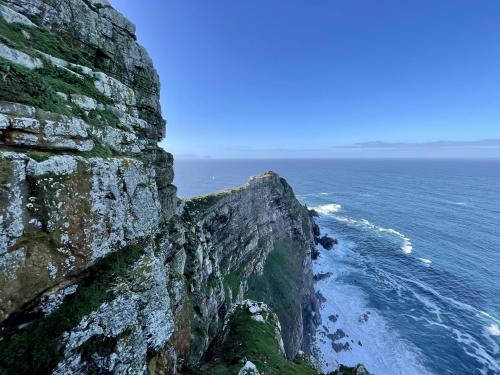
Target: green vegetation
98	117
99	151
39	87
38	155
232	281
65	81
255	341
279	285
66	45
19	84
62	45
204	202
36	349
99	344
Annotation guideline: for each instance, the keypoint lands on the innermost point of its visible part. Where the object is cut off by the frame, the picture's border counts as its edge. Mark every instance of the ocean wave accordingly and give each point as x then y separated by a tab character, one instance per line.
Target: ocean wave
330	208
406	244
435	304
477	351
484	313
366	338
470	346
457	304
425	261
473	348
493	329
457	203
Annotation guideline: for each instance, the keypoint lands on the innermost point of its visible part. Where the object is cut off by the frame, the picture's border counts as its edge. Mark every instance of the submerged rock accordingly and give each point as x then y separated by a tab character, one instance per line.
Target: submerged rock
322	276
333	318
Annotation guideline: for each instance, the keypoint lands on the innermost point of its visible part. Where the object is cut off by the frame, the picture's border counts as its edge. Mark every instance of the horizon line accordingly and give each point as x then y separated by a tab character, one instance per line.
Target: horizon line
492	158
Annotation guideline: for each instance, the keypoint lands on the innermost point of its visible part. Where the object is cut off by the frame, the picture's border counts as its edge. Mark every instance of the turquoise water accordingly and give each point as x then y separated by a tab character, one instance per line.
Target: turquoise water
419	248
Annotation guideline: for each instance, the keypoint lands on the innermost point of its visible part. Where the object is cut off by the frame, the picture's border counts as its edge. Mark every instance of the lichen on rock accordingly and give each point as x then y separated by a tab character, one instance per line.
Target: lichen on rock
102	268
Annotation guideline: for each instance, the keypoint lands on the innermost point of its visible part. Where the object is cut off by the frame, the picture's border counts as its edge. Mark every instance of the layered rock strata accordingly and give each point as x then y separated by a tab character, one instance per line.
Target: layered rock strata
102	268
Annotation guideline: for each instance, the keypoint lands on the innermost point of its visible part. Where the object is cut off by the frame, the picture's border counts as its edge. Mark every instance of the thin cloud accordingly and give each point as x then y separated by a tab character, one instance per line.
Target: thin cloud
381	145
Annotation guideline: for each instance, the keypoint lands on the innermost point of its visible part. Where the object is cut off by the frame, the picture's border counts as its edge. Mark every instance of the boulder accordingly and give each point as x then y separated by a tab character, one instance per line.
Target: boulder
249	369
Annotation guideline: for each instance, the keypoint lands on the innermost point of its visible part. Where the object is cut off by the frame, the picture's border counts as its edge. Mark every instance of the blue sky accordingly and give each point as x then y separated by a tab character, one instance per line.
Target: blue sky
325	78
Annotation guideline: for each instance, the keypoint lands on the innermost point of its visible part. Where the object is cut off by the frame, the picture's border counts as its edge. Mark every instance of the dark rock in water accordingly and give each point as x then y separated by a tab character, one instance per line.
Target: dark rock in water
314	253
345	370
339	334
333	318
320	297
340	347
363	318
313	212
321	276
327	242
316	230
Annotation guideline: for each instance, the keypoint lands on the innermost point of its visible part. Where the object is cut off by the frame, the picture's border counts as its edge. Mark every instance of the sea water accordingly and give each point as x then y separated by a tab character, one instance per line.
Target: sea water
414	283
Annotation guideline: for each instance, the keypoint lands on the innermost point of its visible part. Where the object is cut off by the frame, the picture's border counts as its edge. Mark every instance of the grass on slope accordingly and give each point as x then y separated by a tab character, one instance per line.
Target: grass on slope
255	341
280	284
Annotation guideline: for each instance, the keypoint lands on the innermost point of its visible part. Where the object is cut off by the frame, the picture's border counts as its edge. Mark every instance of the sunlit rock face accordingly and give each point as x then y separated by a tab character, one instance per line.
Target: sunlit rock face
102	268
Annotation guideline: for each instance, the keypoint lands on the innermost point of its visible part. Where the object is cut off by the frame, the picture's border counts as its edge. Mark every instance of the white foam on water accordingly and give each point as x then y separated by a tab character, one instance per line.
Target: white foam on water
456	203
468	343
427	262
327	209
477	351
406	244
493	330
382	351
484	313
348	302
471	346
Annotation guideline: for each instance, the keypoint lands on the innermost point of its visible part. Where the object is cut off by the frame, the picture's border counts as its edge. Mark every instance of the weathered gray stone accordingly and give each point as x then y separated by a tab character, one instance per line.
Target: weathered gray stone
249	369
20	58
63	210
16	109
11	16
84	102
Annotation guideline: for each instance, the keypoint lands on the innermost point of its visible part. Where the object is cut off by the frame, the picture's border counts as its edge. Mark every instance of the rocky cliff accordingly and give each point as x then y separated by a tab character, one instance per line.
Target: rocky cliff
102	268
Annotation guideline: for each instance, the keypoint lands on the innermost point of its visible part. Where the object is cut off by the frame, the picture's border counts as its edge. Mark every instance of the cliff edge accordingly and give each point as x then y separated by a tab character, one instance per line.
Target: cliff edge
102	268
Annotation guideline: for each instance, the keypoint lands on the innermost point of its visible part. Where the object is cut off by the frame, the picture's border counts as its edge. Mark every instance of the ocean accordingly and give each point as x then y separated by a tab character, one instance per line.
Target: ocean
414	284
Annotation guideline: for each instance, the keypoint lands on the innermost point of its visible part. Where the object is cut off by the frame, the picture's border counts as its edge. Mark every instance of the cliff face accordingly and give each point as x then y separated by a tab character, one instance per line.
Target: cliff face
236	236
102	268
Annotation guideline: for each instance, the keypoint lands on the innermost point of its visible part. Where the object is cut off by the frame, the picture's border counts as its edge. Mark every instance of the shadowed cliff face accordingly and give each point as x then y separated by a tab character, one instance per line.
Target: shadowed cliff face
102	268
236	233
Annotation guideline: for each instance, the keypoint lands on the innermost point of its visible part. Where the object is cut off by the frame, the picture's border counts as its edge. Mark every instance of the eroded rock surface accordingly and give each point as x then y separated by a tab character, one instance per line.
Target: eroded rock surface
102	268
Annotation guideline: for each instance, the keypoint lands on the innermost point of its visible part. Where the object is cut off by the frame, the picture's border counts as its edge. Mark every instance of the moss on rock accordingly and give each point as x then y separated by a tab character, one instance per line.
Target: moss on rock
36	349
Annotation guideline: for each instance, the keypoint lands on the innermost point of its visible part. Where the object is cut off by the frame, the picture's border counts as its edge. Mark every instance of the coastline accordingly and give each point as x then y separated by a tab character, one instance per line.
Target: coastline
351	331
